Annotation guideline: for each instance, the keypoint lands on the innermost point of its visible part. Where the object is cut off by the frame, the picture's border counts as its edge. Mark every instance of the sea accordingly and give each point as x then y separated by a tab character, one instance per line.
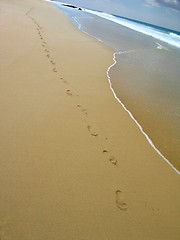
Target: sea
144	76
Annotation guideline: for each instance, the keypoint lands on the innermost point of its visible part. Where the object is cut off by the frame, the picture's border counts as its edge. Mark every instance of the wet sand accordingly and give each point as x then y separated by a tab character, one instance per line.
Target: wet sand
73	164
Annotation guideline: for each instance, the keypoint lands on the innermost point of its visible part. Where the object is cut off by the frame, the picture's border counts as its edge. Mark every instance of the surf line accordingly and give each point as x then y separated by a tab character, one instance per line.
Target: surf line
81	29
133	118
79	26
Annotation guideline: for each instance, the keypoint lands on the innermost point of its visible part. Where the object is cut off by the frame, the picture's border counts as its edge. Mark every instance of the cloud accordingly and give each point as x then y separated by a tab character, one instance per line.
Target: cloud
173	4
152	3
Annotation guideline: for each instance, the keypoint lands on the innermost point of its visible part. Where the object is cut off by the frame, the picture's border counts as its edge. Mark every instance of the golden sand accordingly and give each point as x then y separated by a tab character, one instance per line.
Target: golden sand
73	164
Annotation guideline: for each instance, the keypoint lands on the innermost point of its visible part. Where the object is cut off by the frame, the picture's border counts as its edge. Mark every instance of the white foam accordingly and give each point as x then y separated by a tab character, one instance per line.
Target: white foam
170	38
82	30
140	127
175	36
122	104
161	47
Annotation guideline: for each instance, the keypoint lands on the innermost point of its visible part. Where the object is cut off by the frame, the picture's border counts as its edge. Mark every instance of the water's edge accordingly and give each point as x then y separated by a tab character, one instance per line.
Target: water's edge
130	114
115	96
133	118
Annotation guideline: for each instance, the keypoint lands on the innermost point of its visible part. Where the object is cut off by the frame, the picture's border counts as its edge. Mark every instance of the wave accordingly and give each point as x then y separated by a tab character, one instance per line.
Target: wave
80	27
175	36
167	37
131	115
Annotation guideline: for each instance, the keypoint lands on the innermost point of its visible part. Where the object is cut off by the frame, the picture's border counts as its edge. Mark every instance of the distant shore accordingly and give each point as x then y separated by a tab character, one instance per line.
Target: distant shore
73	163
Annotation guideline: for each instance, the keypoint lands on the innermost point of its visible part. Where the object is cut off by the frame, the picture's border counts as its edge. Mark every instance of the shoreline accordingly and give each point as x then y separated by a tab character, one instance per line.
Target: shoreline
119	100
133	118
73	163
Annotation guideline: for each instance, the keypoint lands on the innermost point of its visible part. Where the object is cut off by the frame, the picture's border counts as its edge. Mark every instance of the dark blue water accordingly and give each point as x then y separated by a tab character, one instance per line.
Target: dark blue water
158	28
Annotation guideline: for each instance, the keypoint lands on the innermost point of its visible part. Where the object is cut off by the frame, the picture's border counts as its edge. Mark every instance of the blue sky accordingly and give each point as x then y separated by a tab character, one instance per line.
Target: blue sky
164	13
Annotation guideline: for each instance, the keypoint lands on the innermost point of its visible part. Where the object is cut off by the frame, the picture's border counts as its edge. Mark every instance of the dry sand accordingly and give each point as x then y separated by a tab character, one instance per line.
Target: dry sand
73	165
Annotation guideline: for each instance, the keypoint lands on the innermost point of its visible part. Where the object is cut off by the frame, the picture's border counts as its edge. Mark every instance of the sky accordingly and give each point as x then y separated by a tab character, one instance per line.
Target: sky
165	13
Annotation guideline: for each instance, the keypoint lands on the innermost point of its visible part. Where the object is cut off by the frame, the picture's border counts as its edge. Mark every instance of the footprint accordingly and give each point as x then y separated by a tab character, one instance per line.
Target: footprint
92	134
46	50
89	128
39	26
53	63
113	160
69	92
119	201
64	81
84	111
48	56
105	151
54	69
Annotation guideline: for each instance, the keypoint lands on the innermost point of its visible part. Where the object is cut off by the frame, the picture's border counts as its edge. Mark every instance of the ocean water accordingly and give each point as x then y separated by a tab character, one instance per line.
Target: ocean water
145	75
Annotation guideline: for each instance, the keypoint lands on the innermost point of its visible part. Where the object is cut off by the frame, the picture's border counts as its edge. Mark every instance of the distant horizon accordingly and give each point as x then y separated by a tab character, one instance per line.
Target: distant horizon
138	21
146	11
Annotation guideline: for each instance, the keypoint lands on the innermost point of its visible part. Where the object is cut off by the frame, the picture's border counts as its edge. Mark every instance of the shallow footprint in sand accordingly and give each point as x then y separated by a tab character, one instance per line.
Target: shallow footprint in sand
65	82
92	133
39	26
119	201
113	160
69	93
105	151
53	63
54	69
83	110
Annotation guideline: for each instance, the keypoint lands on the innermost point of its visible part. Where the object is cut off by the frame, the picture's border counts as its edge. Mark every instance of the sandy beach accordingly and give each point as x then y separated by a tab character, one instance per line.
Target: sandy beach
73	164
